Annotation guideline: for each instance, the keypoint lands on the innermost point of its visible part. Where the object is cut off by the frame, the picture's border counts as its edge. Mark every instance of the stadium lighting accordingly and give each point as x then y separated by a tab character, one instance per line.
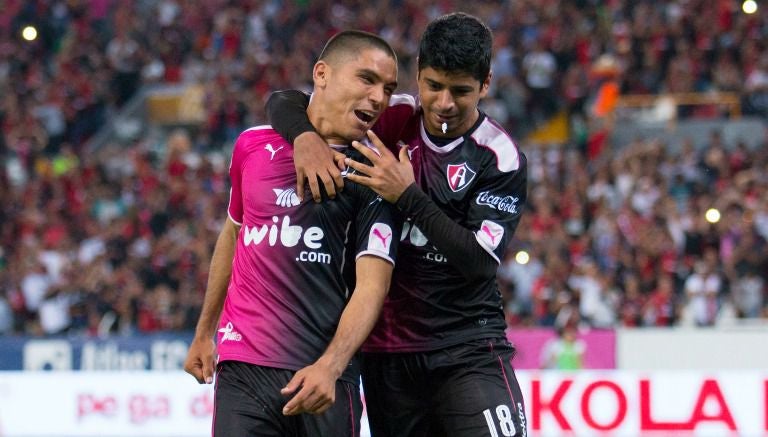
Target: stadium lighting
29	33
749	6
712	215
522	257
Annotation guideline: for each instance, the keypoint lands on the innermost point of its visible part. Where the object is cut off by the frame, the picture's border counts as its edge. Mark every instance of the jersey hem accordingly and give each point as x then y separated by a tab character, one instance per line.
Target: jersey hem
433	346
276	365
233	220
377	254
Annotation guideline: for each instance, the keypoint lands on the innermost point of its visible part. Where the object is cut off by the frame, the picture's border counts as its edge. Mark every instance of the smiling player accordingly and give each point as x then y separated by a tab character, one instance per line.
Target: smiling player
438	362
279	290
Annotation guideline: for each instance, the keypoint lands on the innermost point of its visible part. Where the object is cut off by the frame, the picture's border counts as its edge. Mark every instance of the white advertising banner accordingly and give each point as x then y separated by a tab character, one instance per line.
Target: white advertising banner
585	403
104	404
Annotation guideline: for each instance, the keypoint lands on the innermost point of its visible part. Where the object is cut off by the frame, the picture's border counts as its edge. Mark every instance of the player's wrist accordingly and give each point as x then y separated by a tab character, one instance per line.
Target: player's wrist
310	141
204	335
410	195
334	365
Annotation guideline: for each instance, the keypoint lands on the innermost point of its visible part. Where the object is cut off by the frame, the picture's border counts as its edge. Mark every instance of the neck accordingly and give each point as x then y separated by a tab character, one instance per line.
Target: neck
323	125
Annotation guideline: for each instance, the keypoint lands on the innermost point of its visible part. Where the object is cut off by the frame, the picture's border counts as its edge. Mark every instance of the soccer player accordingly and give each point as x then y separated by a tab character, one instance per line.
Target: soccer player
438	362
279	290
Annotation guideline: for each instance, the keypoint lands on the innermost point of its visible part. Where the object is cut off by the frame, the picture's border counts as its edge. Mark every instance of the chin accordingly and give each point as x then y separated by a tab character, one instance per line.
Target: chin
359	133
355	135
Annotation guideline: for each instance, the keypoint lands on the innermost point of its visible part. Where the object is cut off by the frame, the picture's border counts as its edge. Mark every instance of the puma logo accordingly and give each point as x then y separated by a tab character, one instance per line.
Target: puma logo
490	234
381	237
269	148
410	152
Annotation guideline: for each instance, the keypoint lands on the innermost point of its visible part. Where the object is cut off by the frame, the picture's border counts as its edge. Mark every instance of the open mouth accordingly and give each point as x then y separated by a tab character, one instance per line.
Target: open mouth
365	116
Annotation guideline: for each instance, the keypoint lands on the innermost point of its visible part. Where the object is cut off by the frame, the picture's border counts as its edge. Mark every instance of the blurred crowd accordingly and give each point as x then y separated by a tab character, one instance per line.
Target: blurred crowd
642	238
117	240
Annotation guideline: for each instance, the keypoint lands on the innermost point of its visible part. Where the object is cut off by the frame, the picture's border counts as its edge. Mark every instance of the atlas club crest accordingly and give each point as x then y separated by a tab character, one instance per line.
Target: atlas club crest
459	176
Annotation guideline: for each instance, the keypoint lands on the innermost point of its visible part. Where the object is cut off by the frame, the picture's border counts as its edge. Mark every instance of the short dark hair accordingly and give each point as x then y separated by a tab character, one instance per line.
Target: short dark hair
457	43
350	43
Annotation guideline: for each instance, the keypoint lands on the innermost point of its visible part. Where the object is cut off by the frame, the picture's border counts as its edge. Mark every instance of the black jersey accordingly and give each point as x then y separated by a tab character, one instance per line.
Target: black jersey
479	181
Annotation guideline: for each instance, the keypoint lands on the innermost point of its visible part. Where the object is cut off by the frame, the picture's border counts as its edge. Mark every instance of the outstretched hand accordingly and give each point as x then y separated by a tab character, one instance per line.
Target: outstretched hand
389	176
316	164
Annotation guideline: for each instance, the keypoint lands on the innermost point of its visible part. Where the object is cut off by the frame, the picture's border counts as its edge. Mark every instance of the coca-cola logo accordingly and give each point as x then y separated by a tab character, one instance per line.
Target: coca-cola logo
501	203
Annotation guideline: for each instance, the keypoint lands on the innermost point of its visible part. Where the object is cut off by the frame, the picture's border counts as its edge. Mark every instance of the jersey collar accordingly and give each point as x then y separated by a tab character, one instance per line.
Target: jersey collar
453	144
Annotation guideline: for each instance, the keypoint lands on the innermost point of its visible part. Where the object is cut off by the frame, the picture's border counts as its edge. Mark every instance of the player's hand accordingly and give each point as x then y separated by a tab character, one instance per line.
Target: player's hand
389	176
201	360
316	385
316	164
339	158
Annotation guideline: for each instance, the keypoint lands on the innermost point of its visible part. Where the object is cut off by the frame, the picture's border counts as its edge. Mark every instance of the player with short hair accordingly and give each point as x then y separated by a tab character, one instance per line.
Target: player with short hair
438	361
279	291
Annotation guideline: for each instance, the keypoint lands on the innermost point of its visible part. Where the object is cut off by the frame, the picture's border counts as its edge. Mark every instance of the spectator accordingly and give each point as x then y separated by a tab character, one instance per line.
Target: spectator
6	316
565	352
661	308
540	69
749	294
702	291
636	212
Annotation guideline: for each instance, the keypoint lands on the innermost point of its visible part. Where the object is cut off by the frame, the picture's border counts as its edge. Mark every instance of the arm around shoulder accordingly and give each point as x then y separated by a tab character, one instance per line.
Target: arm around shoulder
287	113
313	159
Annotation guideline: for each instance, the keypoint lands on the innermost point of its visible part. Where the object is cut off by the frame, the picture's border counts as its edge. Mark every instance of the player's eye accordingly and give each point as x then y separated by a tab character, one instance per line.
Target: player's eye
461	91
366	79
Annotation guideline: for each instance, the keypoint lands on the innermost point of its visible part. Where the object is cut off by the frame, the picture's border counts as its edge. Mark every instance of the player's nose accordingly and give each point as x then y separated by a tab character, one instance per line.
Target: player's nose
377	96
445	100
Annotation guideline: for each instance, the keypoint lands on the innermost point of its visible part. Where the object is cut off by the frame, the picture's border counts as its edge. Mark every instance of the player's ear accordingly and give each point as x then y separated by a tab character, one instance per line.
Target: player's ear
320	73
485	85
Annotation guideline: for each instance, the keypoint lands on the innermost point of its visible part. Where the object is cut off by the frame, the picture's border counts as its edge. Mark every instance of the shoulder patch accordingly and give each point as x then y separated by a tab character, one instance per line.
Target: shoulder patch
260	133
493	137
259	127
403	99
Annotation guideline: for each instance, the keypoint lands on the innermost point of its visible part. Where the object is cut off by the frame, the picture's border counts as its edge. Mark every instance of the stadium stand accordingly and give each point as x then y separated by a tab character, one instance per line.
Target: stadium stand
647	207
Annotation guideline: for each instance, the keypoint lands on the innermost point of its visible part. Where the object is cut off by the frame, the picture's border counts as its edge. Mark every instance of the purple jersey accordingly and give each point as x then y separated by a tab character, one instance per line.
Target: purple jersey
477	181
288	286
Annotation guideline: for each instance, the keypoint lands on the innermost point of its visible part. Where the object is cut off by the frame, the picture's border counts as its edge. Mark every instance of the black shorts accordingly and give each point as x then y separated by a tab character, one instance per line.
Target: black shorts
248	403
467	390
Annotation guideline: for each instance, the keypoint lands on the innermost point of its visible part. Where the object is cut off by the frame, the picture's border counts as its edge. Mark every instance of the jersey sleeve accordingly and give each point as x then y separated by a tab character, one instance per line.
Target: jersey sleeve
377	222
455	241
495	207
235	207
287	113
475	247
377	227
390	125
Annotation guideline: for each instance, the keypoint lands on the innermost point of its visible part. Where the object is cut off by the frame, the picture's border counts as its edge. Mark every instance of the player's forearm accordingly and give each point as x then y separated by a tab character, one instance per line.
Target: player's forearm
287	113
218	281
456	242
360	314
356	323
